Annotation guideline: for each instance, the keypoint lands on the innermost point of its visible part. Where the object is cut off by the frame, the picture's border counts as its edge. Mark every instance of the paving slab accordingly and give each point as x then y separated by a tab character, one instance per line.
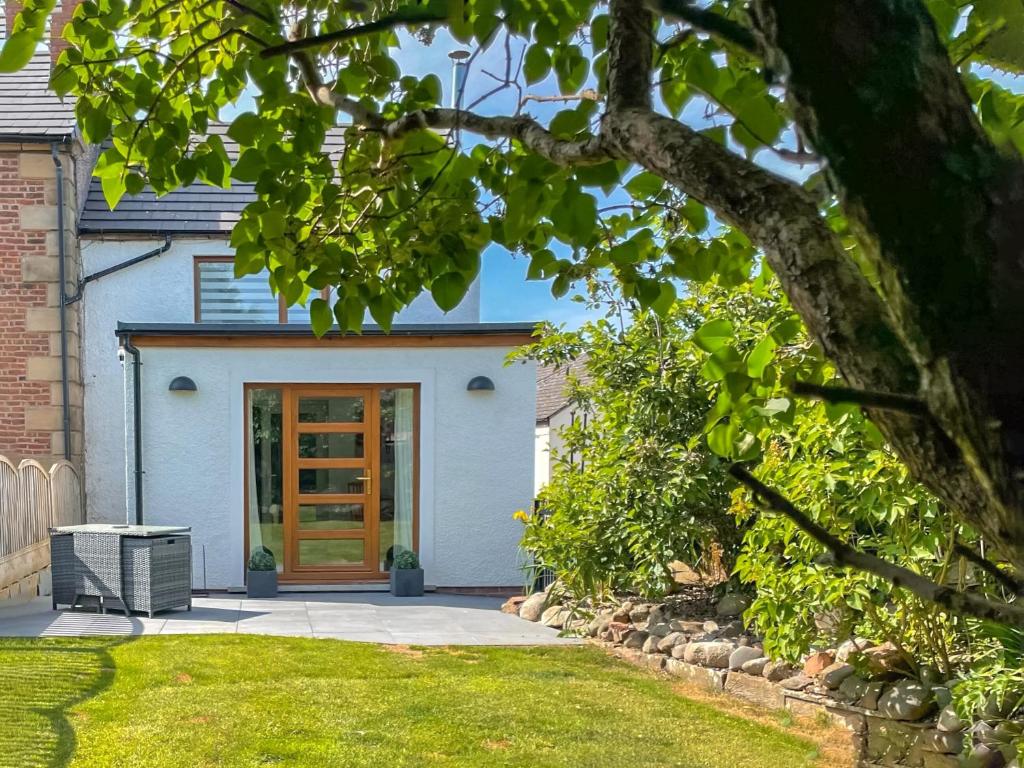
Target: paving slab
372	617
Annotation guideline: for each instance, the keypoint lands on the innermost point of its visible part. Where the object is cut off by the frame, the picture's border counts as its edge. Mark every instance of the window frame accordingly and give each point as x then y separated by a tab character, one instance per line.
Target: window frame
282	307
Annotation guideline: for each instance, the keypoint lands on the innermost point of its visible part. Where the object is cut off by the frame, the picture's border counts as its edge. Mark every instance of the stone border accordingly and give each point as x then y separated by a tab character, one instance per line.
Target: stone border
878	741
891	717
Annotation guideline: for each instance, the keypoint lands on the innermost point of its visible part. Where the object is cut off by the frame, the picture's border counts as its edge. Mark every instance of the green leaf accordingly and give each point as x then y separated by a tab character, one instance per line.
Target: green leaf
17	51
571	67
644	185
536	64
674	93
575	217
787	330
320	316
382	310
599	32
722	438
113	186
568	123
245	128
696	214
95	124
666	299
448	290
249	165
134	183
713	334
760	356
701	70
272	224
775	405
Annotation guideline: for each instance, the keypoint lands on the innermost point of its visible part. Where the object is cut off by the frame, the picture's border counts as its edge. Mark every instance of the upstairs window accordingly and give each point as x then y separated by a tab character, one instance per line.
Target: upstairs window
223	298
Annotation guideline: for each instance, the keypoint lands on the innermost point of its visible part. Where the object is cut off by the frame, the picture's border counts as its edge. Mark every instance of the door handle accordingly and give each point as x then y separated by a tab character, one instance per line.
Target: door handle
367	482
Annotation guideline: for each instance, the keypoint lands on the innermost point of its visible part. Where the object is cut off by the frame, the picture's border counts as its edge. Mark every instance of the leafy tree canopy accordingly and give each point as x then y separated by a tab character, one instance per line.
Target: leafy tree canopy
898	245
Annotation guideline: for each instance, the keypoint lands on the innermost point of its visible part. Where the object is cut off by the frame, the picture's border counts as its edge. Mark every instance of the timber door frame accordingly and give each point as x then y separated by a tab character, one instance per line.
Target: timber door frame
292	464
369	571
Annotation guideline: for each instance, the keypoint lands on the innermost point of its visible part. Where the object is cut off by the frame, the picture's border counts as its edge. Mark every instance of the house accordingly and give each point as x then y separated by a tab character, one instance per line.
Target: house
555	412
194	398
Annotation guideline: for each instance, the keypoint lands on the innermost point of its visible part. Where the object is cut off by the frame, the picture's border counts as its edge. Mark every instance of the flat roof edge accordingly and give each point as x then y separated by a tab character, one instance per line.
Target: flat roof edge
303	330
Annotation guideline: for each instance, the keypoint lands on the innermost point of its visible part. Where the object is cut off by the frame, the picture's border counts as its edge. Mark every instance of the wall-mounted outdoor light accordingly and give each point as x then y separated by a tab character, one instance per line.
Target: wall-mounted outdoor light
480	384
182	384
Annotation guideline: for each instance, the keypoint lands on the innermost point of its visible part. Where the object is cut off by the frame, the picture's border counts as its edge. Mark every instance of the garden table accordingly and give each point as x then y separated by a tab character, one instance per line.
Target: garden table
145	567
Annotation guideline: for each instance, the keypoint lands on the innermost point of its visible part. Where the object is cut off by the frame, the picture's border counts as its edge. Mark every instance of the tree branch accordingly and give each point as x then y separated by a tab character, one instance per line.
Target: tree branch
321	94
587	94
523	128
407	16
715	24
882	401
630	55
990	568
961	603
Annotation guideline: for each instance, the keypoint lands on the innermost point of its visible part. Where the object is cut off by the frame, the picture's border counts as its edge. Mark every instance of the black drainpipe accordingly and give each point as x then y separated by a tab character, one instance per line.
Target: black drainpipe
131	349
61	269
117	268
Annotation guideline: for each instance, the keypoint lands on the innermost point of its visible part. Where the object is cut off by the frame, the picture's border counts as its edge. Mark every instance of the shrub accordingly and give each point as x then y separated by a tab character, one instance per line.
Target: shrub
262	560
634	487
406	560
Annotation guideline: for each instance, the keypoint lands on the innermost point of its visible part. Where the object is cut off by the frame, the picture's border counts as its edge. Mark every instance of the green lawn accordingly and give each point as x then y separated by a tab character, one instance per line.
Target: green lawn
230	700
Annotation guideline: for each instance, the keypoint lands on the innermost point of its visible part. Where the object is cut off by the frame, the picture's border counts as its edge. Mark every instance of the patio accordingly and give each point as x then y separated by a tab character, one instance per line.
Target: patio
436	619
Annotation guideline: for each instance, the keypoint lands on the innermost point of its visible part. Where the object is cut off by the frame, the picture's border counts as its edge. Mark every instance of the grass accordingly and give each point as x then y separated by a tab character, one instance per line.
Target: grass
230	700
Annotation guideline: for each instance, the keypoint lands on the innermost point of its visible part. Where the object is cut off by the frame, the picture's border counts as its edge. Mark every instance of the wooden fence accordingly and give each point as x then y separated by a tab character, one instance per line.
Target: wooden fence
32	500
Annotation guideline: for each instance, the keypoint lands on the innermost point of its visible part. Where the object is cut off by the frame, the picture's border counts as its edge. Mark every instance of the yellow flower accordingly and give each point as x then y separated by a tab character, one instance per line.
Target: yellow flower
521	516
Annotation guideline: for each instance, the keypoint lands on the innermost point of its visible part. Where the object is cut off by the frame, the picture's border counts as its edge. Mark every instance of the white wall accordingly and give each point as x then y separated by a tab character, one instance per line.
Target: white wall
476	462
541	457
159	290
548	443
476	458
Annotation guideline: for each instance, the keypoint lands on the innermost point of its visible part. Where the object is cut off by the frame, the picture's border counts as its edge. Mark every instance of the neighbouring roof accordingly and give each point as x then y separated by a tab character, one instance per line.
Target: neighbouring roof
198	209
552	386
29	110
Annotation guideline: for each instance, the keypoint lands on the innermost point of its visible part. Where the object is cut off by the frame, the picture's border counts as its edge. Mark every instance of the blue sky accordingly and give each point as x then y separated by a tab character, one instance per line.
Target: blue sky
506	294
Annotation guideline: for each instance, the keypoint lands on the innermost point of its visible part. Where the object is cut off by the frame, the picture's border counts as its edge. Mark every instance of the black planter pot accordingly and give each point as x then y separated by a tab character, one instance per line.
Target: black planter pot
261	584
407	582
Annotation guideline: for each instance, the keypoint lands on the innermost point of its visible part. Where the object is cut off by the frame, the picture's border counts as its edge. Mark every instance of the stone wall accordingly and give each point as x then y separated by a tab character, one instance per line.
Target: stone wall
893	720
31	423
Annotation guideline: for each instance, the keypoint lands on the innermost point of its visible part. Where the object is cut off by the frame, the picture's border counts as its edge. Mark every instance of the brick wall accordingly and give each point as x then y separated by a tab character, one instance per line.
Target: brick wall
30	366
61	15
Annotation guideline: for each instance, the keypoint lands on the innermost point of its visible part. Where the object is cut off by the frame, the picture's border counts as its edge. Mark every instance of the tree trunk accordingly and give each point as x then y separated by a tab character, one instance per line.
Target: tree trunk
940	212
841	309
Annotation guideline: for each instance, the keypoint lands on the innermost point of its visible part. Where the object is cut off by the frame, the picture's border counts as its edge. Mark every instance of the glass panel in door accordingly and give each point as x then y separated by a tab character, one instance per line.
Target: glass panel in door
397	473
265	480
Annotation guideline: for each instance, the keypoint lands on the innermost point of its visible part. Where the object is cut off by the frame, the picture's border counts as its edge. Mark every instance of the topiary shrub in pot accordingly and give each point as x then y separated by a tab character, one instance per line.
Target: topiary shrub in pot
406	575
262	580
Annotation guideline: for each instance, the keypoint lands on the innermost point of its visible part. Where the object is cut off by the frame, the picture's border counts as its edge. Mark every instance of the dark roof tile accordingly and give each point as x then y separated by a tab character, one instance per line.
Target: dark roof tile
29	109
552	386
197	208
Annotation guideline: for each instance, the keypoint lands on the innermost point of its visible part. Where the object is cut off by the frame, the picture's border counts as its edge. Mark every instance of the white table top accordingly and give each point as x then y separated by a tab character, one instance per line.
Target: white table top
124	530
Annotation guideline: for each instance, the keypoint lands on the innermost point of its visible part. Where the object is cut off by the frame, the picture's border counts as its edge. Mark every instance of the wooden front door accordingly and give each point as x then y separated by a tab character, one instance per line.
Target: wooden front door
331	470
